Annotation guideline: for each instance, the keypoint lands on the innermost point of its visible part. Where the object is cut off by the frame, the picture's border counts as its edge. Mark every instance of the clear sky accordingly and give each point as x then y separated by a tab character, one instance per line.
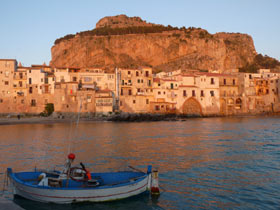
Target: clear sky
28	28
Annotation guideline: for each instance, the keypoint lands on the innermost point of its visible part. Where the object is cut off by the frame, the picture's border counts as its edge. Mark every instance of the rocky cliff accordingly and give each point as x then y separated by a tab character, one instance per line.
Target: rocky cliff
121	41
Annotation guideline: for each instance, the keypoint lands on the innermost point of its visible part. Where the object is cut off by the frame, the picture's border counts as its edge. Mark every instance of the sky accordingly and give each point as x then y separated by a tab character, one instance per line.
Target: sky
28	28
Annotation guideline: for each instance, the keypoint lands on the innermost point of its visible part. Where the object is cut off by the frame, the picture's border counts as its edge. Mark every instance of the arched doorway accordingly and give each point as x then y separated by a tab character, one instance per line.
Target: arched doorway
238	103
192	107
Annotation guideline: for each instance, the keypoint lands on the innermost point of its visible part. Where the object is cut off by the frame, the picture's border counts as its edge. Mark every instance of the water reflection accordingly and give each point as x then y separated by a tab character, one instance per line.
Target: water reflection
224	163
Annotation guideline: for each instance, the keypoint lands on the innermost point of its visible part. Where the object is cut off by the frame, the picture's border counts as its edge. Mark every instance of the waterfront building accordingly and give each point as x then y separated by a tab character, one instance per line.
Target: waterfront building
230	97
104	102
135	90
20	81
165	92
259	91
70	98
192	93
96	78
7	69
62	75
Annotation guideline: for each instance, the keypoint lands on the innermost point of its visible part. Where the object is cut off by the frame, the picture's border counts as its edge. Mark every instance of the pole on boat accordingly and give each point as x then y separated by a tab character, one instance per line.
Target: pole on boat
71	158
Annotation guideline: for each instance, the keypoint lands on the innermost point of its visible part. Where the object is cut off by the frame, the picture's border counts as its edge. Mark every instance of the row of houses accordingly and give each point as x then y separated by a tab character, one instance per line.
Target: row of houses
93	91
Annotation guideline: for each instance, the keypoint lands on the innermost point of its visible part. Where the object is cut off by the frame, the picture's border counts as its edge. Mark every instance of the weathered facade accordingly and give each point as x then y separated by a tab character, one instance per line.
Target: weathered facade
93	91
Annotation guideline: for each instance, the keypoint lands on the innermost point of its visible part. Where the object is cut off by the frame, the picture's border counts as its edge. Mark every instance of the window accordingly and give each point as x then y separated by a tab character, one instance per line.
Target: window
89	98
225	81
137	73
120	103
184	93
138	80
250	76
6	83
30	80
147	101
159	92
212	93
212	81
233	81
1	100
129	92
87	79
30	90
121	92
128	72
20	83
267	91
201	93
134	101
193	93
74	79
157	108
171	85
33	102
147	73
138	90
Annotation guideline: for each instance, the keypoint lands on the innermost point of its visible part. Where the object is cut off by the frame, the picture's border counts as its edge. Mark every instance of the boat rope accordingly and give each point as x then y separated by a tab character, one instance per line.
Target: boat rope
70	144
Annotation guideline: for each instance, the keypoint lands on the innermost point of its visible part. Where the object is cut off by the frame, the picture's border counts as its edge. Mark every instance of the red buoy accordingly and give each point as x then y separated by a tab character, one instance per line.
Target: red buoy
155	186
71	156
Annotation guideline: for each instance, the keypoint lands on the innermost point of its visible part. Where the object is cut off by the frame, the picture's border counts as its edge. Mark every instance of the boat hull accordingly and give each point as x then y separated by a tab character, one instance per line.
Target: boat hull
95	194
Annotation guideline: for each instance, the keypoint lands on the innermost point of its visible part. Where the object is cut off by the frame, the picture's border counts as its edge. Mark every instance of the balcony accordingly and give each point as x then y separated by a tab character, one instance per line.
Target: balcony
18	77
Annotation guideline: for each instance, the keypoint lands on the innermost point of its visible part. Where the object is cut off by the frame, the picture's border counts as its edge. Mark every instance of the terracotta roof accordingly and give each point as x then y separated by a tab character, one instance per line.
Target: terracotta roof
214	74
8	60
35	65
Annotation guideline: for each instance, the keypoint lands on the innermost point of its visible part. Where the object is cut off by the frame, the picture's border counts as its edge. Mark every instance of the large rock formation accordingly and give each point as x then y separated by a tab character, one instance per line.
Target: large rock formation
121	41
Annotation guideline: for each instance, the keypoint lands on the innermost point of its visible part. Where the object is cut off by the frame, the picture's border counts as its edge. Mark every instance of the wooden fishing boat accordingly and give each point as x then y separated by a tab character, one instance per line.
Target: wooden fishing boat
76	184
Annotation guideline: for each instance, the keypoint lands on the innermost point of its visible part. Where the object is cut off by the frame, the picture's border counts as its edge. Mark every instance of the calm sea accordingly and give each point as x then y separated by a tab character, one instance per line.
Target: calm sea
212	163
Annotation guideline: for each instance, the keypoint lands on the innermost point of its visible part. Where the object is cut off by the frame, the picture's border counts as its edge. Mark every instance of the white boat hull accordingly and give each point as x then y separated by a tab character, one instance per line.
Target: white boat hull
64	196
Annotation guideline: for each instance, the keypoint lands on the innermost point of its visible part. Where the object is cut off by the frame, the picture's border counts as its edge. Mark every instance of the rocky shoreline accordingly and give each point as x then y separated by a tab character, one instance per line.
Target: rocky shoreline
122	117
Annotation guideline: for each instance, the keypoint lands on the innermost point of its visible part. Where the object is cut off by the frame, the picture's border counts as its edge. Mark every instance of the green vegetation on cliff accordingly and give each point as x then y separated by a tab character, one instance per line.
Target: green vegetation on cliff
261	62
107	31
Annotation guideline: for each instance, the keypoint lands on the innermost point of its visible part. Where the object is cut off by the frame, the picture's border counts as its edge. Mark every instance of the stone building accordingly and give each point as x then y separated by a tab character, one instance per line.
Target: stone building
7	69
230	97
69	98
135	90
195	93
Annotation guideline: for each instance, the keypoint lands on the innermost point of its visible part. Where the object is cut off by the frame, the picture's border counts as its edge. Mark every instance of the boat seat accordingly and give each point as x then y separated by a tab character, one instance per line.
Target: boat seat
54	182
